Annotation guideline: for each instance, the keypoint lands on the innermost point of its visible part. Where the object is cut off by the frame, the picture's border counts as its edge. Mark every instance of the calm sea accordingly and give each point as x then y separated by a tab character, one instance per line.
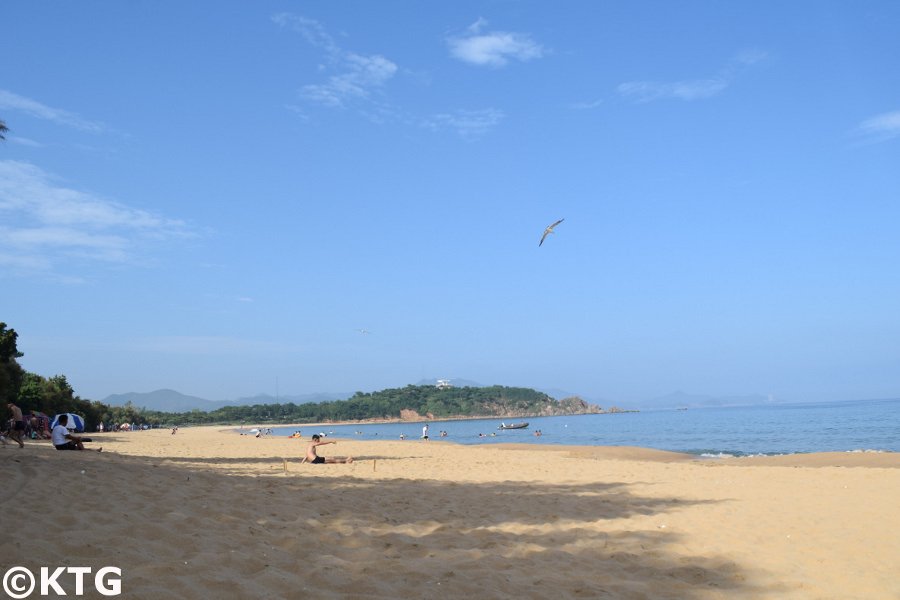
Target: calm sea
741	431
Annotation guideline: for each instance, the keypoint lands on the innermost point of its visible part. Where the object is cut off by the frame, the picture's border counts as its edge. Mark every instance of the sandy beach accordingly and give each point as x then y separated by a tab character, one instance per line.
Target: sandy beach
209	513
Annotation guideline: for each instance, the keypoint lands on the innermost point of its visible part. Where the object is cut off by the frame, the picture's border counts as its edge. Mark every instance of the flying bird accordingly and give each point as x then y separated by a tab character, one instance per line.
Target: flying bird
549	230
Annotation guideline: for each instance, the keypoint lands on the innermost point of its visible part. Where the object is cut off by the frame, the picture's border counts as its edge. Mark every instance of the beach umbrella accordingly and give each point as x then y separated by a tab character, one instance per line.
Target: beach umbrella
75	423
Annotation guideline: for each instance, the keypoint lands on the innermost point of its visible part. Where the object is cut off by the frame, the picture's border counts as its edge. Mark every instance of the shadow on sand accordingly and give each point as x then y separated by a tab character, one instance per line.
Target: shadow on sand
347	537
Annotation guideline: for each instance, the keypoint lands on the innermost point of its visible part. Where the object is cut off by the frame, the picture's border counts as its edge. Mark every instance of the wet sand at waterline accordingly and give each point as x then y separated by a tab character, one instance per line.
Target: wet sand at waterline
208	513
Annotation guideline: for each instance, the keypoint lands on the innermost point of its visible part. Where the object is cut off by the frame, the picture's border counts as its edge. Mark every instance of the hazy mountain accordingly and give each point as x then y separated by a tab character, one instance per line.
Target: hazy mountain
557	393
164	400
172	401
681	399
296	399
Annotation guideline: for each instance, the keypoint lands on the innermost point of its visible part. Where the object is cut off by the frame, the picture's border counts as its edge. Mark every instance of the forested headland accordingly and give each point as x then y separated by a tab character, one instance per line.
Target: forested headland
33	392
410	402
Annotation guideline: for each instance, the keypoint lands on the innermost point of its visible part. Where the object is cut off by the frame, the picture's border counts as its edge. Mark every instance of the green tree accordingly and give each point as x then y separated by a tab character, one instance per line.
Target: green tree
58	396
11	372
3	129
31	392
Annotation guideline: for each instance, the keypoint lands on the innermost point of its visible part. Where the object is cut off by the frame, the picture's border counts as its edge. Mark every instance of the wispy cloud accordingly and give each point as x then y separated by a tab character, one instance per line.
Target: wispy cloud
881	127
493	48
25	142
691	89
750	56
11	101
588	105
469	124
363	74
45	223
360	81
357	76
646	91
310	29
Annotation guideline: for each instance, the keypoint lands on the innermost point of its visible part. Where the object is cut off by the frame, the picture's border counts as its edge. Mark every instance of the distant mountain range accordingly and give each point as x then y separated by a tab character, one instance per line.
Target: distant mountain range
683	400
172	401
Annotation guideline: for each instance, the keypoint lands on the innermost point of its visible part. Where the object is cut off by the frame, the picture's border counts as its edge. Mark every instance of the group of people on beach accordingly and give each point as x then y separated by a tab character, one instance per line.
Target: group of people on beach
60	436
20	426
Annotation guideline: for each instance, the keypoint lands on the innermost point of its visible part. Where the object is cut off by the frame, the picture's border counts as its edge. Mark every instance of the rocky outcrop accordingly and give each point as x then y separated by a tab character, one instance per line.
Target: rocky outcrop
408	414
509	410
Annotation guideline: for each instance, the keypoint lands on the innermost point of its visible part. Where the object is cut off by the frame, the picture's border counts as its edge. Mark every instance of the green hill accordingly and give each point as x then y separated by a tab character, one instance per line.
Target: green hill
410	402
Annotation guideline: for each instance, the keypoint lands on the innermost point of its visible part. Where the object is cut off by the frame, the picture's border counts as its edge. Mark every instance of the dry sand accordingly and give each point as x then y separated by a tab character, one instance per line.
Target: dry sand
207	513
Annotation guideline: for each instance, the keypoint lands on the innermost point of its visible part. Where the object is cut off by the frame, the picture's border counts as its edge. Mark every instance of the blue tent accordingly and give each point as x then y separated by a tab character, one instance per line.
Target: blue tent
75	423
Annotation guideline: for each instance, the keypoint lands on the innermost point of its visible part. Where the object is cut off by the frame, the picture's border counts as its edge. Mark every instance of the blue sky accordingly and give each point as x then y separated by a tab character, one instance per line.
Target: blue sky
218	197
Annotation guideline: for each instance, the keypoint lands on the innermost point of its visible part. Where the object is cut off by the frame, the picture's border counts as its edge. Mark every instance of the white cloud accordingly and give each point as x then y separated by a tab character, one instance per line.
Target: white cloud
44	223
494	48
646	91
882	127
469	124
357	76
11	101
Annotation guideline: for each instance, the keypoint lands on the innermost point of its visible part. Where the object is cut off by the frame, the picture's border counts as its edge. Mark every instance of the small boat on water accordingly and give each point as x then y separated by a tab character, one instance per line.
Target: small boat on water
513	425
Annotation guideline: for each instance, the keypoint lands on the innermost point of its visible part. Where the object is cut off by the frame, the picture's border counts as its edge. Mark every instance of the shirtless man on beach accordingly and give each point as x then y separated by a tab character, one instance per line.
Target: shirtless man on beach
314	458
17	430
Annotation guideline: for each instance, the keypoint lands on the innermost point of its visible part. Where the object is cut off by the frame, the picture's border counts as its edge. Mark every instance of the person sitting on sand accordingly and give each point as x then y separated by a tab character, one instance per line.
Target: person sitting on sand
315	459
60	434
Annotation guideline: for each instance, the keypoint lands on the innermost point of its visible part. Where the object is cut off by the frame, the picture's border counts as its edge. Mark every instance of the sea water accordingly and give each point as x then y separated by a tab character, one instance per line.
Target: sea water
855	426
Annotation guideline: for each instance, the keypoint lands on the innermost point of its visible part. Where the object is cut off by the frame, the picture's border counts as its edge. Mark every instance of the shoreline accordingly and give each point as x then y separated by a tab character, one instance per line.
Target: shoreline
775	458
847	458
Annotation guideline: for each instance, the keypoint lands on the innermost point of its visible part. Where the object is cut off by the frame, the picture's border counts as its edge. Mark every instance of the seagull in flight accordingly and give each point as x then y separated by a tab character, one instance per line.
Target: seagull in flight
549	230
363	331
